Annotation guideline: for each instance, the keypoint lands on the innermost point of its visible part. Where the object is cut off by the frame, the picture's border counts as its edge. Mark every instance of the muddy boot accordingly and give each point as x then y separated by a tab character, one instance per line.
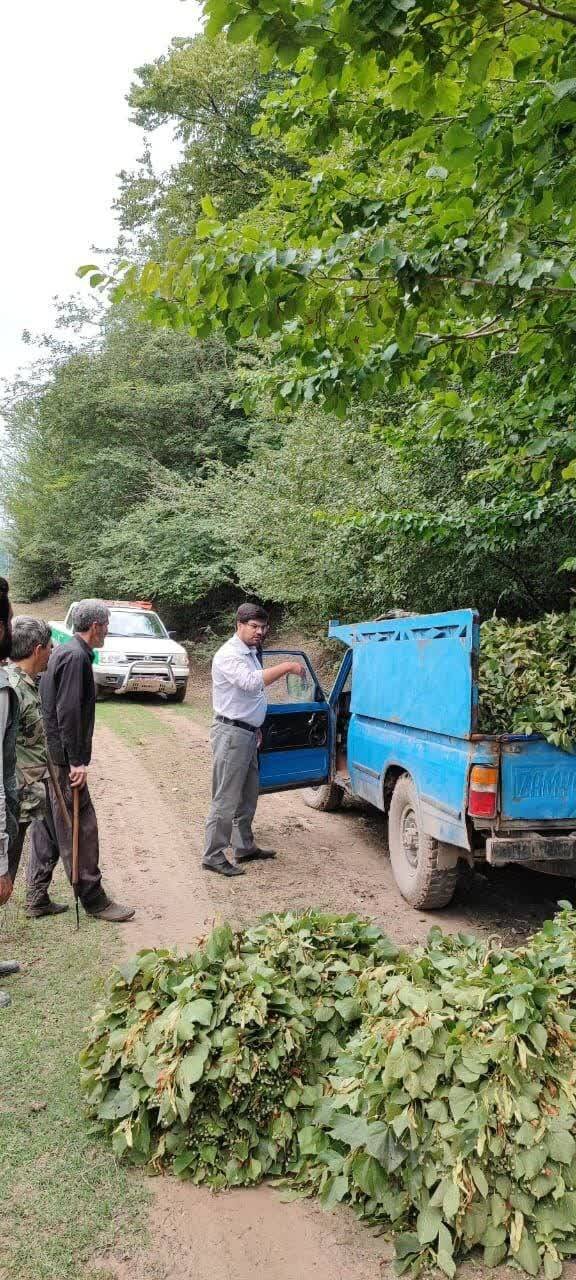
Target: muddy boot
113	912
46	908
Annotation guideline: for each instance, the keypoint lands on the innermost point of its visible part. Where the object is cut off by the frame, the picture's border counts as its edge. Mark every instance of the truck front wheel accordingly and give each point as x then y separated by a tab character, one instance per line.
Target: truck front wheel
180	695
327	797
414	855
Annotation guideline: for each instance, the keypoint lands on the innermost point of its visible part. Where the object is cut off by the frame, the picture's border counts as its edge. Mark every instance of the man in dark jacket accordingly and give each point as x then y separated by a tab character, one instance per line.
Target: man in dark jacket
68	704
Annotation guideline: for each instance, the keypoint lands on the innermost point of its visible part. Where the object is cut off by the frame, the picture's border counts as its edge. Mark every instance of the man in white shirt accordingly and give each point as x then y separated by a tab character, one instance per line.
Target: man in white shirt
239	699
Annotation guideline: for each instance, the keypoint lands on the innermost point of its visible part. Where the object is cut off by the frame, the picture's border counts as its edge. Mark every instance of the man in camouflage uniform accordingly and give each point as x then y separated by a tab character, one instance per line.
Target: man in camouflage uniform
31	646
9	807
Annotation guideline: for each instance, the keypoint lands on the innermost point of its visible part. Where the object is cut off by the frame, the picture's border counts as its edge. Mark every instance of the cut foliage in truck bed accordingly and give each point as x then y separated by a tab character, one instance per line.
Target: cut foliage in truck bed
528	678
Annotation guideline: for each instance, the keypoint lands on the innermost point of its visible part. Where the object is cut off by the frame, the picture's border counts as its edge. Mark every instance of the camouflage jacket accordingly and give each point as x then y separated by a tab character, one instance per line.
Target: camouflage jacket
31	751
9	806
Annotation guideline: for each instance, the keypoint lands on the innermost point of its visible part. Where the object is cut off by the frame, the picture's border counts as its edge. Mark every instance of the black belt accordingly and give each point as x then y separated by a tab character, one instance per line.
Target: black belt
239	724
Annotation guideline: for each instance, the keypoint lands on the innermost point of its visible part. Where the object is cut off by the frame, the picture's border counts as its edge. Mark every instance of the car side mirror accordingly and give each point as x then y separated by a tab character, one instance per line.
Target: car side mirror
172	635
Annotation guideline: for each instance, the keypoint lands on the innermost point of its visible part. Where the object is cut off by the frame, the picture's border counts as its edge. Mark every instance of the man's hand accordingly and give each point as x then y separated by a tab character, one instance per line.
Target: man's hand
271	674
297	669
78	775
6	888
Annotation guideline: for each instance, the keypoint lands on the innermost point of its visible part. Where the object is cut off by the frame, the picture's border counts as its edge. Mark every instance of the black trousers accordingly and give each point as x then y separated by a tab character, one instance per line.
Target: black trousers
51	838
15	850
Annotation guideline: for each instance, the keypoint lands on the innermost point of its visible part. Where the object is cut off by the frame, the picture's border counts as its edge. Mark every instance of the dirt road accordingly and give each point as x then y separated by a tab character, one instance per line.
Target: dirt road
151	786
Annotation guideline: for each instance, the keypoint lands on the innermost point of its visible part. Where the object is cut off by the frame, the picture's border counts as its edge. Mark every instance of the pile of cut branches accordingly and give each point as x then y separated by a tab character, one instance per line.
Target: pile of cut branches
528	678
204	1061
433	1090
452	1112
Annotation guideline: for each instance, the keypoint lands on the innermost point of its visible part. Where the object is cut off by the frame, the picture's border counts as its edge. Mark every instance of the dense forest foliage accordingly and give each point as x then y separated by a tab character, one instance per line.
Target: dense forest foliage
336	368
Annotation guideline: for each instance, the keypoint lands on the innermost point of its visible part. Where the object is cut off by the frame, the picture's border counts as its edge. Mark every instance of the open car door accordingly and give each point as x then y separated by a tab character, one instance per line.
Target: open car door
296	748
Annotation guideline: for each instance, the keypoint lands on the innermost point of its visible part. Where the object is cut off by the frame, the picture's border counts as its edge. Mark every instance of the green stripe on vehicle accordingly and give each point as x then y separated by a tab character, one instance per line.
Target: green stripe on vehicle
60	635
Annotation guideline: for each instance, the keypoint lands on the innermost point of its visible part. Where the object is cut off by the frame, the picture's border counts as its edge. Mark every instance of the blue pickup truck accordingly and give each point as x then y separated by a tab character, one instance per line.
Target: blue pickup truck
399	730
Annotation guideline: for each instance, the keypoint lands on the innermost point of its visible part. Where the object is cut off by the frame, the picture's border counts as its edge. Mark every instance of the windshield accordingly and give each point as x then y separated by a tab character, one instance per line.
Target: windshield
130	622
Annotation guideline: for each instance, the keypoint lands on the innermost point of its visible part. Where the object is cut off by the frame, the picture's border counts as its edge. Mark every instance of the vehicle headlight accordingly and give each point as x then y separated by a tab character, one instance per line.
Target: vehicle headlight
111	659
180	660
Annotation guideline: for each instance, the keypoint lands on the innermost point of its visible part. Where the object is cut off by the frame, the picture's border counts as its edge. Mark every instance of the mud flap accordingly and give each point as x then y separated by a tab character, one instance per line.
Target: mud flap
448	856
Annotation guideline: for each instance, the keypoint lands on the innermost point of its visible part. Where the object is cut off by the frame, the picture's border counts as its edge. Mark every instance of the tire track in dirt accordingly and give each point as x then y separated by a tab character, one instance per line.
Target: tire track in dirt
332	860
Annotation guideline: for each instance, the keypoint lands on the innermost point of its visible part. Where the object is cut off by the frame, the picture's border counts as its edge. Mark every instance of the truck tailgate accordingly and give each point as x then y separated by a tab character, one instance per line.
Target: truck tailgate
538	782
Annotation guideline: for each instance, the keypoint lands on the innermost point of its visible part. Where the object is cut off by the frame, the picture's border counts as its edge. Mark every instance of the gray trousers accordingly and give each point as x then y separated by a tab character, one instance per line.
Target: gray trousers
51	838
235	785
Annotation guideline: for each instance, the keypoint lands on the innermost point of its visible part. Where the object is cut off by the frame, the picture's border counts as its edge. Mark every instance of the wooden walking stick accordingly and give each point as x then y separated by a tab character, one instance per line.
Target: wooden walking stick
58	792
75	844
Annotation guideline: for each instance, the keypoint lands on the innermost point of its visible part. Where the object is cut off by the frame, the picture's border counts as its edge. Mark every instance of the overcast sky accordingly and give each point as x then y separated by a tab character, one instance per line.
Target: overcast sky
64	134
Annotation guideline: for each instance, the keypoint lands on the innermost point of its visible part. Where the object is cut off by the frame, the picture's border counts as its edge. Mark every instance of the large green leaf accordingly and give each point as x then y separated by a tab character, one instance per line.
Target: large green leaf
561	1147
528	1255
353	1130
451	1200
428	1224
194	1014
191	1065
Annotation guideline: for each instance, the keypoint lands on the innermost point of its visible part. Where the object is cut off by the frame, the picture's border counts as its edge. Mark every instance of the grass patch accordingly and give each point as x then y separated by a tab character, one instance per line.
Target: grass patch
63	1195
131	720
195	708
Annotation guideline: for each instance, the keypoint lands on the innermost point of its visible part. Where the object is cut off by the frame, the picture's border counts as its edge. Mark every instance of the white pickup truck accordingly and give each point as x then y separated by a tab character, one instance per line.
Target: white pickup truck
139	654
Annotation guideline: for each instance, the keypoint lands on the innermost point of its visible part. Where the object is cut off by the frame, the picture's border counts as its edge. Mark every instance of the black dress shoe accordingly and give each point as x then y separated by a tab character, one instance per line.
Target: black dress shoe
224	868
250	855
7	967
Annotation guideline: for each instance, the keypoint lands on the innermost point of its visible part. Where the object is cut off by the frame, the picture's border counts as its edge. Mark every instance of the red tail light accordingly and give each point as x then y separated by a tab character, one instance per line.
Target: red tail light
483	791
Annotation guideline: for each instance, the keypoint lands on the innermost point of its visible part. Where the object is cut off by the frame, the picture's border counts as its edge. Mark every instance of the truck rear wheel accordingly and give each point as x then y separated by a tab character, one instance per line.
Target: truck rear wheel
414	855
327	798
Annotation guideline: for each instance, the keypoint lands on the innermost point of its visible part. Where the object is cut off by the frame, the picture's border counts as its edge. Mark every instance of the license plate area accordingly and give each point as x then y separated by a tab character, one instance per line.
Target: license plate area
146	684
530	849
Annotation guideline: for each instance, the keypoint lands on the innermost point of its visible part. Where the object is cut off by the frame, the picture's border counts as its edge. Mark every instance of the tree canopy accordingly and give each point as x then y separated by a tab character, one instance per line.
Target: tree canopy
338	372
427	244
96	431
210	93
